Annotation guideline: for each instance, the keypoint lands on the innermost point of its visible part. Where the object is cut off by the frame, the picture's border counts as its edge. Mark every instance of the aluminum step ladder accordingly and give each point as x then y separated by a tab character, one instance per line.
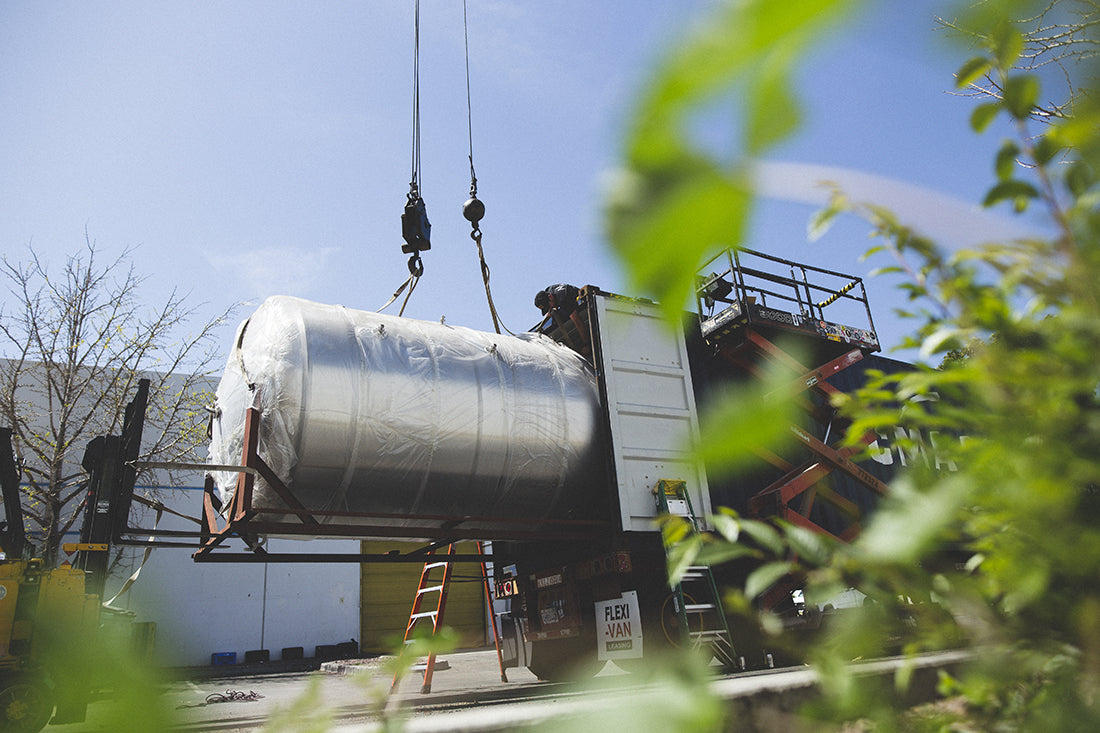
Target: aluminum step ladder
696	600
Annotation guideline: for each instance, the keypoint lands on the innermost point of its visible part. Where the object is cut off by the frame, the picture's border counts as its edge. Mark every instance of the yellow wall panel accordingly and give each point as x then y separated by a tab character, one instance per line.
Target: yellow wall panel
388	589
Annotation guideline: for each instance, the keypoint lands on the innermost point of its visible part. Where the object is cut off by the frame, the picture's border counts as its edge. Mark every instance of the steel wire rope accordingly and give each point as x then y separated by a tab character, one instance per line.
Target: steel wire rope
416	265
414	182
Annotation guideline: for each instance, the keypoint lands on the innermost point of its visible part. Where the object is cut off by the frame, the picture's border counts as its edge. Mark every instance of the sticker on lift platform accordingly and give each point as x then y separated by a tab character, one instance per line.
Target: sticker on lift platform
619	627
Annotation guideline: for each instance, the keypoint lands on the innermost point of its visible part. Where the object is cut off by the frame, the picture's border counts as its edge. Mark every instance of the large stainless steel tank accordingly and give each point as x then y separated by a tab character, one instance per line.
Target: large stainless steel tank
368	413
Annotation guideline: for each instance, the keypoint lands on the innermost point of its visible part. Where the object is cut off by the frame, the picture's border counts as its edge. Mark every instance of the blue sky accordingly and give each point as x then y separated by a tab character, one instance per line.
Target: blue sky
249	148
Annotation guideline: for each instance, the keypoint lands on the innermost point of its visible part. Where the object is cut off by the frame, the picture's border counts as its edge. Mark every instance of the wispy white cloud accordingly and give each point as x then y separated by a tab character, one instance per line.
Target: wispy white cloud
945	219
276	270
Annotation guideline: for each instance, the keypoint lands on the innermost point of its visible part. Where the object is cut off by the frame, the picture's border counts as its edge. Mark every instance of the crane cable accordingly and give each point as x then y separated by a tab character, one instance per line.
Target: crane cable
414	199
414	182
473	210
416	265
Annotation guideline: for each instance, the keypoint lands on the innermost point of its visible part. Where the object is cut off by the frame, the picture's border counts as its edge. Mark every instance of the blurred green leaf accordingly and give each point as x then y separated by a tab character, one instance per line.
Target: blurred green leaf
674	204
984	114
971	70
812	547
725	47
681	556
910	520
872	251
727	525
663	223
1006	160
943	339
821	220
1010	190
744	419
765	576
764	535
887	270
1021	94
773	111
674	529
305	714
1006	43
1046	148
716	553
1079	178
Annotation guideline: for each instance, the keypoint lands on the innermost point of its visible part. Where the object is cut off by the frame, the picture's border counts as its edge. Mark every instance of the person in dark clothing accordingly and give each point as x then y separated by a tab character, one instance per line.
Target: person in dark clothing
558	305
560	298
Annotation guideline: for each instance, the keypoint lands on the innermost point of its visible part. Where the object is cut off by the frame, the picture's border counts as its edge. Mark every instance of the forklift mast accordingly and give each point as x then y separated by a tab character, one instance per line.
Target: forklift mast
13	536
109	461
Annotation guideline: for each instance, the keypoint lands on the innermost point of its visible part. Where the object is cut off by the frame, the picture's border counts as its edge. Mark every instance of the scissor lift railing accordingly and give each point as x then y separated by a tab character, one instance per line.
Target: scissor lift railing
746	312
745	287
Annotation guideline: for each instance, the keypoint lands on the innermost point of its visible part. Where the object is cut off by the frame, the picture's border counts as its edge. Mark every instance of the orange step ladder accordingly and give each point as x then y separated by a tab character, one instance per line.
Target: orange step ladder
432	583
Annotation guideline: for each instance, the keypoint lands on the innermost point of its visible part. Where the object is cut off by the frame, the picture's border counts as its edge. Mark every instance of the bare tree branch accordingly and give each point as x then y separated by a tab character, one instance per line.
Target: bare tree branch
75	345
1059	41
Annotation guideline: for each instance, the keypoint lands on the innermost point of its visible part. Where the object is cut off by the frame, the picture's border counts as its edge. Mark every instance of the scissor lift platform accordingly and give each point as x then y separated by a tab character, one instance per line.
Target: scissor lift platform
763	316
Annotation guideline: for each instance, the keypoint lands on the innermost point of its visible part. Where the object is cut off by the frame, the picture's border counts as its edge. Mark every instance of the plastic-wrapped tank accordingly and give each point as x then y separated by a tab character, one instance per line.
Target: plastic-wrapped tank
368	413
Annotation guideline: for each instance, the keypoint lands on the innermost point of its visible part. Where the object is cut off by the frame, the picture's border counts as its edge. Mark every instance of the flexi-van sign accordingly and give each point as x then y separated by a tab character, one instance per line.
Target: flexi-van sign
619	627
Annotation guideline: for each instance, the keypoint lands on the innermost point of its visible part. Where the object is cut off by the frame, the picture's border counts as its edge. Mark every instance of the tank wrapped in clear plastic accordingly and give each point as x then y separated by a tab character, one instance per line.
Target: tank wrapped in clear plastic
365	413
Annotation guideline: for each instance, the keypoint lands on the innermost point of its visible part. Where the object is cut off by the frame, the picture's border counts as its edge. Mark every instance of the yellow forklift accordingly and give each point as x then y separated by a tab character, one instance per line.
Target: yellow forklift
44	613
49	616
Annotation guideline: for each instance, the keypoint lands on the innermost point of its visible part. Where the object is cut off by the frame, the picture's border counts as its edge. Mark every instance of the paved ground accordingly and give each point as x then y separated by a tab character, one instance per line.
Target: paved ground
341	693
468	696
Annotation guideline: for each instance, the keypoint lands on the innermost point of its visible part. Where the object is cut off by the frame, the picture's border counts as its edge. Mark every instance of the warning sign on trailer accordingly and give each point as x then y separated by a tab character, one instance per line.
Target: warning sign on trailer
619	626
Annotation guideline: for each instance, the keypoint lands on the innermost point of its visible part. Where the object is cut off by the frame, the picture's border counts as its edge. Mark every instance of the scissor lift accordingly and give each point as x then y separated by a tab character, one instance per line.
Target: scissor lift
764	315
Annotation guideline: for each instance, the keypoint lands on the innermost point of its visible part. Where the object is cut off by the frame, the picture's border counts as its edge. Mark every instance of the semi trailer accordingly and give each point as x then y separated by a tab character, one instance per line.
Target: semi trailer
562	447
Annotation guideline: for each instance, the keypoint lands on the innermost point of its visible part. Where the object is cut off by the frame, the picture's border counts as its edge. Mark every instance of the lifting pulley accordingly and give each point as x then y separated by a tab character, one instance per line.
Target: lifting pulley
416	230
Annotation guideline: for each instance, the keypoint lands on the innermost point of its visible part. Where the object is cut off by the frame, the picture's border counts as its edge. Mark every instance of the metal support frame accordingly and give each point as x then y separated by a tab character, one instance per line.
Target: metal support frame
244	520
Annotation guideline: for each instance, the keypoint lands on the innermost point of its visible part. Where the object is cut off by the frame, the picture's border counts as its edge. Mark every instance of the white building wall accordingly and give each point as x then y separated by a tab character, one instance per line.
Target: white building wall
206	608
202	609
